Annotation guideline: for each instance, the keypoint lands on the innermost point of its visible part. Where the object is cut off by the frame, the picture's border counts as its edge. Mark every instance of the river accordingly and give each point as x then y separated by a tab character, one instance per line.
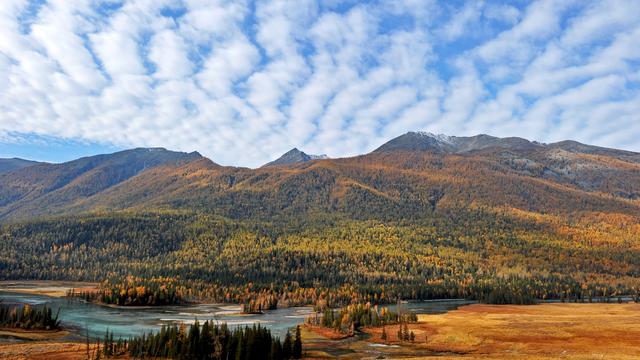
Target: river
126	322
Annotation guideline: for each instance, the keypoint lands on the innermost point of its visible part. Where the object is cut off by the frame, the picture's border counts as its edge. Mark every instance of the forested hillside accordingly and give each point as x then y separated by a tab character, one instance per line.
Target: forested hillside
43	189
445	217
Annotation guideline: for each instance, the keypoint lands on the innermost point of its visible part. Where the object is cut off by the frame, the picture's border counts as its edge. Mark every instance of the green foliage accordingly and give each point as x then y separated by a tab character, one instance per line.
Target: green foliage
206	341
509	293
28	317
296	350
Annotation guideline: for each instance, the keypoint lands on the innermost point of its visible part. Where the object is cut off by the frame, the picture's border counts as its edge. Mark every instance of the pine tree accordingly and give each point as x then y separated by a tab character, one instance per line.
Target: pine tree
297	344
240	347
276	350
286	346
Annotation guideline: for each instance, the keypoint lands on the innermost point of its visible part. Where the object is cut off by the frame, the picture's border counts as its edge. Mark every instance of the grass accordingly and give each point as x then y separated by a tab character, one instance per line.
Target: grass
568	331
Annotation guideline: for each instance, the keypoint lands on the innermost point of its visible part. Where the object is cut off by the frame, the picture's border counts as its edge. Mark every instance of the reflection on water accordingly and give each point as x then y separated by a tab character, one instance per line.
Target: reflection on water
129	321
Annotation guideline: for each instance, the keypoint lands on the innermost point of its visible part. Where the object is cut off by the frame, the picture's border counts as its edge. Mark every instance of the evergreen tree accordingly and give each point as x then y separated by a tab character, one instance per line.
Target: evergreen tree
297	344
276	350
287	346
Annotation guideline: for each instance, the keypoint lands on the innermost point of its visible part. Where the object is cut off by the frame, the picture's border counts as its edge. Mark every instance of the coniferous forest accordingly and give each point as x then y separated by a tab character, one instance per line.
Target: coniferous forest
169	258
206	341
510	221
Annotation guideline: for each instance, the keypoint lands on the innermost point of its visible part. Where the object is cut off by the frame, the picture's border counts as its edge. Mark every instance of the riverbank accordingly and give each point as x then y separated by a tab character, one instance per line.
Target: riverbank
33	334
568	331
46	287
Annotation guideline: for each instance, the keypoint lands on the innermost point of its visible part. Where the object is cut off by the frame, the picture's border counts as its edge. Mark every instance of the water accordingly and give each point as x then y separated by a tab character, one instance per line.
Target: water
129	321
432	306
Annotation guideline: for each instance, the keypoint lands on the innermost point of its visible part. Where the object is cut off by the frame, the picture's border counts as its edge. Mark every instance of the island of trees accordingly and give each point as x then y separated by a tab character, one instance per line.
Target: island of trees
351	318
134	291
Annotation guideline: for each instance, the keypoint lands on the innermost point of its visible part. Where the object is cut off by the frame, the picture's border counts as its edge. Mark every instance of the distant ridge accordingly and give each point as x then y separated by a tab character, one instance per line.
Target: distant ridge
440	143
294	156
7	165
444	144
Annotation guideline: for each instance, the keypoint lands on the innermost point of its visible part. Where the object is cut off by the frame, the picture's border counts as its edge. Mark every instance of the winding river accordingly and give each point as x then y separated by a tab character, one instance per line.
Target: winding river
125	322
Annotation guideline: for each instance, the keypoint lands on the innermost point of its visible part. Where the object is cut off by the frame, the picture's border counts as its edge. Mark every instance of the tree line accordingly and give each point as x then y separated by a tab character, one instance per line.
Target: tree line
28	317
208	341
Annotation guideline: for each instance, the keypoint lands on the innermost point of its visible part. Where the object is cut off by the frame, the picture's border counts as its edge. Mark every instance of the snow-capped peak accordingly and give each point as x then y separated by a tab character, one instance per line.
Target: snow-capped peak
439	137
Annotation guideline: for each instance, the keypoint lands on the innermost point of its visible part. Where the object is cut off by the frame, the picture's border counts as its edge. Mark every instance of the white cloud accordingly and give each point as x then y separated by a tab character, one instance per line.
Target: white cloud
243	82
169	53
460	20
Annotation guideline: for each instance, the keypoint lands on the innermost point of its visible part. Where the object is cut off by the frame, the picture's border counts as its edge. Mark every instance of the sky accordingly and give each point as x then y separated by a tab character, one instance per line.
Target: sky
242	82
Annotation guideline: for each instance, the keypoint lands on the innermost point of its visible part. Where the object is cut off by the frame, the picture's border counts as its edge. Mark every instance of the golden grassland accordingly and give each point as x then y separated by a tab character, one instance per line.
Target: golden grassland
567	331
45	350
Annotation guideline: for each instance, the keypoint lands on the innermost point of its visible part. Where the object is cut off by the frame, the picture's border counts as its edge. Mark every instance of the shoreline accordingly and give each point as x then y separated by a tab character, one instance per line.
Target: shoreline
33	335
51	288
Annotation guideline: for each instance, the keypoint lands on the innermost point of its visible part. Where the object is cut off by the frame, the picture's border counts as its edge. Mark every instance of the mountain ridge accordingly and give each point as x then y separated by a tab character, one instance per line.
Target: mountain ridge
32	188
294	156
10	164
417	170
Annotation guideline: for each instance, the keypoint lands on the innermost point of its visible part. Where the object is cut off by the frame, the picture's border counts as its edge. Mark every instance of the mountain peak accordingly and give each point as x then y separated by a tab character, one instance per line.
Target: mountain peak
441	143
439	137
294	156
419	141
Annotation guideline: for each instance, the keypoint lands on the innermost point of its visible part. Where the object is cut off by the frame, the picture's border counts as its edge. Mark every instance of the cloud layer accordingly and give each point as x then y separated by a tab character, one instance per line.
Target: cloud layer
242	82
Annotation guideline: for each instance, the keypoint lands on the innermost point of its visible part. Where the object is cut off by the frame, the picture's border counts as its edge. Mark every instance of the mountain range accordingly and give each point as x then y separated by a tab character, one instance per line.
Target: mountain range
7	165
413	173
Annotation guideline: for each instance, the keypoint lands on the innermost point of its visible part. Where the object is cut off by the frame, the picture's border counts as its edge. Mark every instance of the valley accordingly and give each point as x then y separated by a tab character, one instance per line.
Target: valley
550	330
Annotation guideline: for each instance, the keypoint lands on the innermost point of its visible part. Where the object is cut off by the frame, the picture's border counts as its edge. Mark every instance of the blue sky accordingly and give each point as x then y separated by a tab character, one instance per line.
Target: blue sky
244	81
